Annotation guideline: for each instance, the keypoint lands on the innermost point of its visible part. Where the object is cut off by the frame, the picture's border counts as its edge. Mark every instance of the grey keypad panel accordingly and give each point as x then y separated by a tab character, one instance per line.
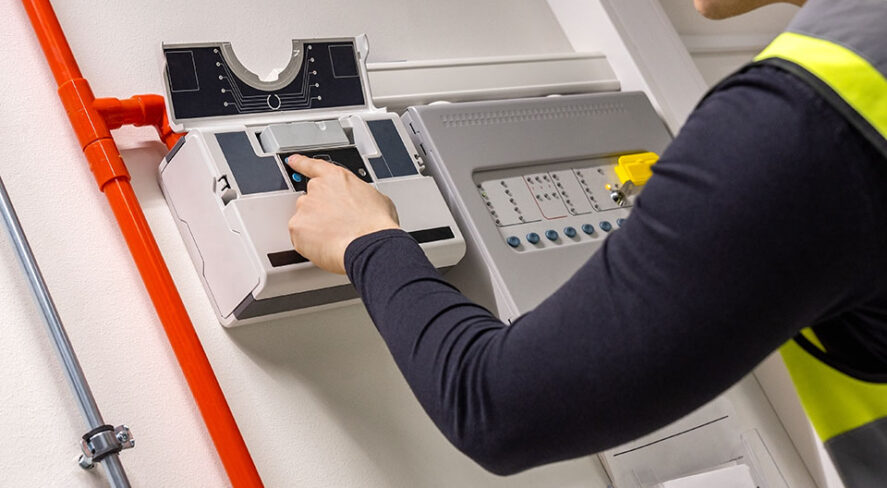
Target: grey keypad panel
567	205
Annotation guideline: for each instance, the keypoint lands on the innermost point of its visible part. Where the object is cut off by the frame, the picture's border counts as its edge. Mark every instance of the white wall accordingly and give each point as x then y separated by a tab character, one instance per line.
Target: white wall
318	398
721	46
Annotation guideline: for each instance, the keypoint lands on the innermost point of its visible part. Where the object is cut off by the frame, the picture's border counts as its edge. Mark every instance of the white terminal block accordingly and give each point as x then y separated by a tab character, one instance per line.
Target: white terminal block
232	195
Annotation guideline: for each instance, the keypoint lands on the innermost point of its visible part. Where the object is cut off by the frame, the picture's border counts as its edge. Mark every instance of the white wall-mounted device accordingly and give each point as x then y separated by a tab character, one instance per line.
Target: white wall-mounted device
231	193
529	179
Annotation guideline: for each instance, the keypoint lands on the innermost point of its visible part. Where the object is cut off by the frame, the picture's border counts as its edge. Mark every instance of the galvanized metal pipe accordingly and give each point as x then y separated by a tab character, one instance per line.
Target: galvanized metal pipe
113	468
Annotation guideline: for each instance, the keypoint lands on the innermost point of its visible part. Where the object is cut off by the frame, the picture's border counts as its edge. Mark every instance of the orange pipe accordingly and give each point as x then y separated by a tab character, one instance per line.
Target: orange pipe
92	120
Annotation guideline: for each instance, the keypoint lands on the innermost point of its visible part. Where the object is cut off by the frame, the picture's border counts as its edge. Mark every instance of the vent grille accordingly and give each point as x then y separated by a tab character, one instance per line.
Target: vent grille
510	116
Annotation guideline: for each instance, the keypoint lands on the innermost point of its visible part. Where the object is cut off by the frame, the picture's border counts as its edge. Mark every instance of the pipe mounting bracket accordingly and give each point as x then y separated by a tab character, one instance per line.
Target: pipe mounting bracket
103	441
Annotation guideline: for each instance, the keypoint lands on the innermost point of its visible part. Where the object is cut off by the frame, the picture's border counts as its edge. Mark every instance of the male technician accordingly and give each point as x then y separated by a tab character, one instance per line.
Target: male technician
766	217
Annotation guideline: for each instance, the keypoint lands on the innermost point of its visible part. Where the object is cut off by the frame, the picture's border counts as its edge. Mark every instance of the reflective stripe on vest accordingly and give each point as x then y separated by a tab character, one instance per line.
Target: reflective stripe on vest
849	414
839	47
855	80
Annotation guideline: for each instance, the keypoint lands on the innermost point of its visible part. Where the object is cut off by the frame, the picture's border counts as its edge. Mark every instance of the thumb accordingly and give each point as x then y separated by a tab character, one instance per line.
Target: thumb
307	166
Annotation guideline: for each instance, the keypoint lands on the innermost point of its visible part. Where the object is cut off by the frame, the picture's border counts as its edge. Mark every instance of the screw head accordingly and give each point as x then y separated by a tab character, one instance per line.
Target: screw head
85	463
122	437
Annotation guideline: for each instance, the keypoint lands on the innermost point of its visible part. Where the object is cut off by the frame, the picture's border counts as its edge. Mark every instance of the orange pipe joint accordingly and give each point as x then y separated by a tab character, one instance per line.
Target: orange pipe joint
92	132
140	110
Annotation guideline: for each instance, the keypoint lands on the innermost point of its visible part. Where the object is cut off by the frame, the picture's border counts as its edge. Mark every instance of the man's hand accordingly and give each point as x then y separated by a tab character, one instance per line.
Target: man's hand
337	208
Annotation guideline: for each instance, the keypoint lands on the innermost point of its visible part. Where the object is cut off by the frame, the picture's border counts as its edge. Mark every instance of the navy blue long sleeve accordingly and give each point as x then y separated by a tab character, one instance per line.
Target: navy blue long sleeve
767	214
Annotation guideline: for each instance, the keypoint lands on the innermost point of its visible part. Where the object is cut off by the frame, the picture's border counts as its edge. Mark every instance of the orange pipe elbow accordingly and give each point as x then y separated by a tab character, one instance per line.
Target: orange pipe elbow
92	120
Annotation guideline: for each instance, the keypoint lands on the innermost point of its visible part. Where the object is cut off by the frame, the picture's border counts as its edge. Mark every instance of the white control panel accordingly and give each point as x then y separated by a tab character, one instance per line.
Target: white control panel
537	184
232	194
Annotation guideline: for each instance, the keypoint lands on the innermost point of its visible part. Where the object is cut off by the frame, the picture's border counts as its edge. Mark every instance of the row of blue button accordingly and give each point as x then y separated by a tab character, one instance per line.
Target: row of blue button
552	235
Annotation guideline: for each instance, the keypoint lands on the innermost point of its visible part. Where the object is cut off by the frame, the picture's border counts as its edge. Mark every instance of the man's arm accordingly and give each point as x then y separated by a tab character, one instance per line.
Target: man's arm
740	239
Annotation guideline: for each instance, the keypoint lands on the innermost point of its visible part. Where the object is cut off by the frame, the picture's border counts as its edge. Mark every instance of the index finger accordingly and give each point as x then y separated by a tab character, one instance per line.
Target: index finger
307	166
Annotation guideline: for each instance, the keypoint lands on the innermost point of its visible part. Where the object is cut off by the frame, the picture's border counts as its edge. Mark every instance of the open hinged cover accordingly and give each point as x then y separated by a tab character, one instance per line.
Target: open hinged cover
207	86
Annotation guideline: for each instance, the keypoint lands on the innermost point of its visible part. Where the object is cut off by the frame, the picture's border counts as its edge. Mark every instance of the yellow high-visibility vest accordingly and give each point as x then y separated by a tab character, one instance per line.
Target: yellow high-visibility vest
839	47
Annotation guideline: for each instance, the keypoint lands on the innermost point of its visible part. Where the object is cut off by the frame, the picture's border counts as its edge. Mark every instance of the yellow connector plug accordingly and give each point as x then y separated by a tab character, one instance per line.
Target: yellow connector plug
636	168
